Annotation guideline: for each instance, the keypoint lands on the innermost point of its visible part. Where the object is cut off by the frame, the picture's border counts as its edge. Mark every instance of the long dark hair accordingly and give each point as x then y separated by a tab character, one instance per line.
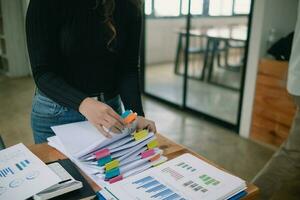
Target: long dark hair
106	9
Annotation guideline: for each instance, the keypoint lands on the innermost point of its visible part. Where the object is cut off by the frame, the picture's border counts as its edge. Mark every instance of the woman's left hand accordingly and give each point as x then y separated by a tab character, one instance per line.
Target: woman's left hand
143	123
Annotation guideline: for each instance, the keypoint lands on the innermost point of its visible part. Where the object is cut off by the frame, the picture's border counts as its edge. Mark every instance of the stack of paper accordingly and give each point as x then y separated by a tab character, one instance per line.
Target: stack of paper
108	160
184	177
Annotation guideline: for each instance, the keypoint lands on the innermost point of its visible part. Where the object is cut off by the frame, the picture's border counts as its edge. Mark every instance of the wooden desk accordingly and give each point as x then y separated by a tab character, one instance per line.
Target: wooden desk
171	150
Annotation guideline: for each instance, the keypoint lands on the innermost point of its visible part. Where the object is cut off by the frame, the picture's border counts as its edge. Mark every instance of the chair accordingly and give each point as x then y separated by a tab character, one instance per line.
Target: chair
2	146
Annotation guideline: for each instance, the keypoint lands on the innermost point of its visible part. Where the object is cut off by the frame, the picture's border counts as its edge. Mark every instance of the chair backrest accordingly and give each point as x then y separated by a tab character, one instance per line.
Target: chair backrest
2	145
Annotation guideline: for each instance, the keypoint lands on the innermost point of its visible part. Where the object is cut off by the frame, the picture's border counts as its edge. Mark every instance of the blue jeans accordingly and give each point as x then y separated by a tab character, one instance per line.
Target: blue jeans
46	113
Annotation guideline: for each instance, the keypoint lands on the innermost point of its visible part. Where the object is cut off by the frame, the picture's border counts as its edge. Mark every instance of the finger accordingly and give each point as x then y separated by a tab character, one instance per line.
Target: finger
115	130
112	113
111	128
101	130
113	122
151	127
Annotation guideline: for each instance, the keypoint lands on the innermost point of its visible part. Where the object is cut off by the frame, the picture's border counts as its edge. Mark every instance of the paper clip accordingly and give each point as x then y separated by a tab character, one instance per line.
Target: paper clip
111	165
103	161
112	173
147	153
152	144
130	118
126	113
115	179
140	135
102	153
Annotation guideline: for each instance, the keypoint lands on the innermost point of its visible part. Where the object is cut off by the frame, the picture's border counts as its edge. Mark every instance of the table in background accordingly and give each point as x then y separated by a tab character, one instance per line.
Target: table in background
210	38
171	150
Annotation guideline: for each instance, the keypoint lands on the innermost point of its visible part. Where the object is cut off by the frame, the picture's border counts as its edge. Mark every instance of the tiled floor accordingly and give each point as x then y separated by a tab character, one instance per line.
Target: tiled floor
202	96
240	156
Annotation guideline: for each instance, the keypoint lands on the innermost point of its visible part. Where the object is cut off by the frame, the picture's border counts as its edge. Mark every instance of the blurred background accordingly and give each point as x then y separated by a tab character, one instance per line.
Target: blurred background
207	79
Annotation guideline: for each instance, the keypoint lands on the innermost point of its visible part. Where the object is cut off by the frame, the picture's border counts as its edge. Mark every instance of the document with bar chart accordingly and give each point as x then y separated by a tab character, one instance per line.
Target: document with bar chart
22	174
183	178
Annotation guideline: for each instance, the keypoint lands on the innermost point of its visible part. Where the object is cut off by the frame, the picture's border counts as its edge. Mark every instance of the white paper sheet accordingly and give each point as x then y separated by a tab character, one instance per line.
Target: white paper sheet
81	138
183	177
22	174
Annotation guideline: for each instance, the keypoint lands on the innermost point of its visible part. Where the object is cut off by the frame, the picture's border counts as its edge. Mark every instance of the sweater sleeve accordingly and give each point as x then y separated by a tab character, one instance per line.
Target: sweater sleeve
42	29
129	81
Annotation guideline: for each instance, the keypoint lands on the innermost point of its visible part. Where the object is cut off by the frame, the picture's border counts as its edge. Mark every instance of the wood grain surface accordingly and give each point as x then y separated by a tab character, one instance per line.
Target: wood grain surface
274	108
170	148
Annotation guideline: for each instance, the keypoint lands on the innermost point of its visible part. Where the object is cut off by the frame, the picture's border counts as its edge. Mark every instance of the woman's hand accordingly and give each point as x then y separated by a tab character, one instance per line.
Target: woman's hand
143	123
101	115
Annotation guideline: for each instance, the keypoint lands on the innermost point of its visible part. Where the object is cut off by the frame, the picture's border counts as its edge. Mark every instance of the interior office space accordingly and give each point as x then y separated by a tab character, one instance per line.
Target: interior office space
206	77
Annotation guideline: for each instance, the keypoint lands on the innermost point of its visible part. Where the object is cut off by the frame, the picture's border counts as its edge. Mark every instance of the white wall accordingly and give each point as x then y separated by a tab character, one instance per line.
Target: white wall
14	33
161	36
278	14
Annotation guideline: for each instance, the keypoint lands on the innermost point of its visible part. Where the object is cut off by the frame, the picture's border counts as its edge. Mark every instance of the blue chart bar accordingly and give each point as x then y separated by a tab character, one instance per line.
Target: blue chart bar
162	194
144	180
172	197
156	188
150	184
6	171
21	165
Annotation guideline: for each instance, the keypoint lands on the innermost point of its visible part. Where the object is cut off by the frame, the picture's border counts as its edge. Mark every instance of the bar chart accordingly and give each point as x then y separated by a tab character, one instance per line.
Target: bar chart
22	164
186	166
6	172
155	189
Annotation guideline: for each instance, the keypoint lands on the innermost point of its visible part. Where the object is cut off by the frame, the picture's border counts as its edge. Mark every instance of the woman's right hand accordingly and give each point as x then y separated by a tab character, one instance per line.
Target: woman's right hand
101	115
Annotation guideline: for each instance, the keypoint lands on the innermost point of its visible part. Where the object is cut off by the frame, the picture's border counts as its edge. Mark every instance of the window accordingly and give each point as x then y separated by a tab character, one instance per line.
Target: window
148	7
175	8
167	7
242	6
220	7
196	7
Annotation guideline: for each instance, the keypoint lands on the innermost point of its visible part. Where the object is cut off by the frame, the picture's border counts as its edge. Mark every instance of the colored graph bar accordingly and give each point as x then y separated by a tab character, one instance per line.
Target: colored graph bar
198	188
180	164
163	194
188	183
156	188
11	171
143	180
216	183
2	173
150	184
172	197
203	176
27	161
193	185
210	181
19	167
23	163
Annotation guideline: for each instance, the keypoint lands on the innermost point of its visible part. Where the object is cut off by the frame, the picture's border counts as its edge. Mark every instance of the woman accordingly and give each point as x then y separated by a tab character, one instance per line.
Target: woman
84	56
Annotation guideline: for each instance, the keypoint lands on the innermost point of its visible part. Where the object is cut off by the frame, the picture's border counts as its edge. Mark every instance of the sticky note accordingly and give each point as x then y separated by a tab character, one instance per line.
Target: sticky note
147	153
115	179
126	113
102	153
111	165
152	144
103	161
154	158
140	135
112	173
130	118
